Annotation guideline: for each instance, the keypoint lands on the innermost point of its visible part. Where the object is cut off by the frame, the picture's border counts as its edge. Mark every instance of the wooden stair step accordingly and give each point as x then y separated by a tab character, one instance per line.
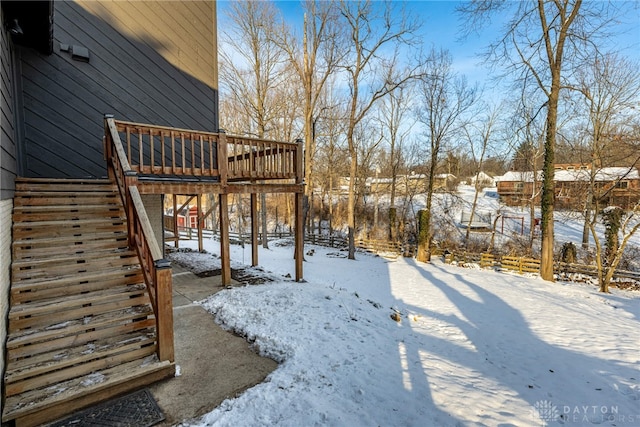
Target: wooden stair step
78	313
56	305
69	223
70	199
78	364
65	213
51	229
70	257
46	269
65	208
34	249
29	180
27	343
39	406
81	186
45	294
58	358
76	239
82	281
60	271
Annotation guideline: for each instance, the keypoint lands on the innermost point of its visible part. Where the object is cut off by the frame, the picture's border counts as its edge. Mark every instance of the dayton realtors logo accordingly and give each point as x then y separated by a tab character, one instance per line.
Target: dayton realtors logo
546	412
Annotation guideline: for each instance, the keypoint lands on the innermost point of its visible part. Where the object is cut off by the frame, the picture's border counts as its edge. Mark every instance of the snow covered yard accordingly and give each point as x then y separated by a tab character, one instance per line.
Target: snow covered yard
472	347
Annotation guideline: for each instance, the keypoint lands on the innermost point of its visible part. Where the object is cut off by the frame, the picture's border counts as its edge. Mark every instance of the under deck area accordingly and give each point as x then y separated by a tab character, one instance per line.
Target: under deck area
183	162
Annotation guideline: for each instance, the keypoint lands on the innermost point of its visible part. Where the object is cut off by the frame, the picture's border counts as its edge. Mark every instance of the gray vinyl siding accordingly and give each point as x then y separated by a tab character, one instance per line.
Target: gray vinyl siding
152	62
8	163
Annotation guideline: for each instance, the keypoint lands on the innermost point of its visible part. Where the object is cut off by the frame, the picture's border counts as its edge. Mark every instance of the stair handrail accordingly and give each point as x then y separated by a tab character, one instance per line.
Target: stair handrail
156	269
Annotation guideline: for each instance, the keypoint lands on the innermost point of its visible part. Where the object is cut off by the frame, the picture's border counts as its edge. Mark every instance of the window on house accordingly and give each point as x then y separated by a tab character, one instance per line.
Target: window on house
518	186
622	184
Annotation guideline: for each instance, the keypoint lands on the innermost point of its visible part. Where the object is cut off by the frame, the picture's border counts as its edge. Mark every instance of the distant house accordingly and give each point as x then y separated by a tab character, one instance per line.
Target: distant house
413	183
483	180
618	186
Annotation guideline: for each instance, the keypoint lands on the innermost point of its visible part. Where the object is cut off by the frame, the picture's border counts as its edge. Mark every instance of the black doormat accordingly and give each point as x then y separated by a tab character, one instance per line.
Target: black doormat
137	409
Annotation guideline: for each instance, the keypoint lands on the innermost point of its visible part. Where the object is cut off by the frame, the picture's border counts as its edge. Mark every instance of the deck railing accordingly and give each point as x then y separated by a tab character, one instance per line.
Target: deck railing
156	270
161	150
250	158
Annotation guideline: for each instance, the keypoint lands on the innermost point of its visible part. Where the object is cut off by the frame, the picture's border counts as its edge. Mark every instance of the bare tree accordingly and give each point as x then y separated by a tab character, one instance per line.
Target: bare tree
252	69
610	87
529	134
538	40
444	98
480	135
371	29
606	267
394	116
314	61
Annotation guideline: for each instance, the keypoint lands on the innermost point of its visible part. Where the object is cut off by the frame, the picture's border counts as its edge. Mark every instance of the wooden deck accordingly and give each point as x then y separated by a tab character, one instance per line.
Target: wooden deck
91	311
166	160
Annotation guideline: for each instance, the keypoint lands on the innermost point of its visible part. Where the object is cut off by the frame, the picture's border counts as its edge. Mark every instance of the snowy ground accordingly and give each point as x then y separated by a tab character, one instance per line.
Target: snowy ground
472	347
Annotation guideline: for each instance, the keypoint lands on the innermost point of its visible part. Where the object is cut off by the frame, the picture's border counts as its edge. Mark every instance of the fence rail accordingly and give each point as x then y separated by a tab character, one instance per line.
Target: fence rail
531	265
519	265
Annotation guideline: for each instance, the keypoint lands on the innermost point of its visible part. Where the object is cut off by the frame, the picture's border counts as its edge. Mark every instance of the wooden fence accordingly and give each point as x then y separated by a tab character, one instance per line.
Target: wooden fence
530	265
519	265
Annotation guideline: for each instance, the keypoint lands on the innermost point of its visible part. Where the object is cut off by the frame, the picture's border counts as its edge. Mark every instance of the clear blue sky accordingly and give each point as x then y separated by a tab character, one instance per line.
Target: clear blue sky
441	26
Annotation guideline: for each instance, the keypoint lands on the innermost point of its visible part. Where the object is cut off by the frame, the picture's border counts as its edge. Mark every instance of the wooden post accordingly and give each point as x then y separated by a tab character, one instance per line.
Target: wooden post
224	239
130	179
223	160
299	226
198	221
254	229
299	237
164	307
175	221
108	156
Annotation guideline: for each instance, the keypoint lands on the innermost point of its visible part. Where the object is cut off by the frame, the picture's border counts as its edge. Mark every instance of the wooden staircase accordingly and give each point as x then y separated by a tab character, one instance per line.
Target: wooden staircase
81	324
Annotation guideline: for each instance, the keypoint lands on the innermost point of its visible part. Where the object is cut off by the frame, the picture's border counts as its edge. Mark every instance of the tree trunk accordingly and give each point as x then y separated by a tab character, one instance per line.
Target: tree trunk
351	205
548	183
393	224
424	236
587	220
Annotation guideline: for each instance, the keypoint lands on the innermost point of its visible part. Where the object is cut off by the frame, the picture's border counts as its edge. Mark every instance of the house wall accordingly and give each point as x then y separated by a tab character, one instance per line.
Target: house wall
152	62
8	168
6	206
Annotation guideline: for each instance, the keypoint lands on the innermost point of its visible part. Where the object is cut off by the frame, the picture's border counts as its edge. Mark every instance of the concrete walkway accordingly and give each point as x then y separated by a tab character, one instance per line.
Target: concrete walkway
213	364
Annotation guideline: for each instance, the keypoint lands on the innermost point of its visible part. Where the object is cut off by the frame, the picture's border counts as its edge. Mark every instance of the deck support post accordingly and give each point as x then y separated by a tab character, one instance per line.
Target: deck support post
299	237
299	222
254	229
224	239
175	221
164	310
199	221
